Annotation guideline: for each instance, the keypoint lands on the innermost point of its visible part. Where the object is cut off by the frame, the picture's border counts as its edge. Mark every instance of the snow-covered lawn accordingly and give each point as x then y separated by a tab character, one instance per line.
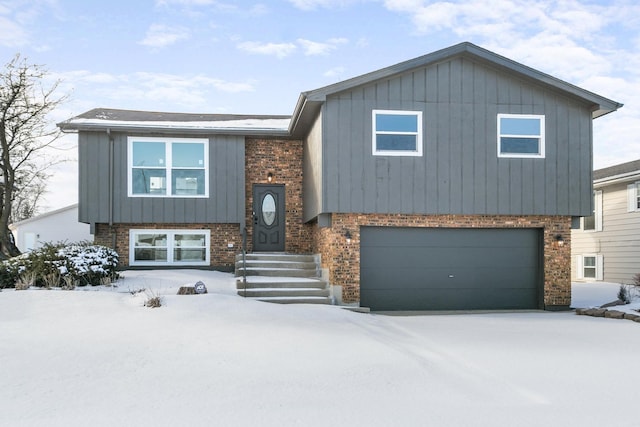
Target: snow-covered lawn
97	357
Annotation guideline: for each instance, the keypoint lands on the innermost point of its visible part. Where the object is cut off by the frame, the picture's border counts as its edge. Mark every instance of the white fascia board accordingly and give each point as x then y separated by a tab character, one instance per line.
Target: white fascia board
279	125
615	179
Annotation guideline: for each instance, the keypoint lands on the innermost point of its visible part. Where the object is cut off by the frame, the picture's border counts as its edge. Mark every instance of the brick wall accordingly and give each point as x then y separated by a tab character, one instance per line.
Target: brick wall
342	259
283	158
221	235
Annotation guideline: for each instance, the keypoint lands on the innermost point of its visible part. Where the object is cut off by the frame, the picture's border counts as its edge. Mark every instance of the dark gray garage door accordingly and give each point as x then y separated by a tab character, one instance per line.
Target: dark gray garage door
450	268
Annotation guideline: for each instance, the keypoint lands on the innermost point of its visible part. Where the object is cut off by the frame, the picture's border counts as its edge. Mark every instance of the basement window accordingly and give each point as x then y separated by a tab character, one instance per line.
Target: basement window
169	247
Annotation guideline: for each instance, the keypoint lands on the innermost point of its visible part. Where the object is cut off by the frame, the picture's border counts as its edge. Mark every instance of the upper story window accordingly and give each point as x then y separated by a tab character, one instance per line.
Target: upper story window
168	167
594	222
633	197
397	133
520	135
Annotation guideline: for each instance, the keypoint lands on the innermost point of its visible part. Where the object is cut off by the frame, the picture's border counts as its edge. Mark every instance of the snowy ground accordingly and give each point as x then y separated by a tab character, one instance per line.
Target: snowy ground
97	357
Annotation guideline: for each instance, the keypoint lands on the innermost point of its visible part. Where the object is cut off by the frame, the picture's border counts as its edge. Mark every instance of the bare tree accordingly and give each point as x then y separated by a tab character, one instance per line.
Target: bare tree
25	134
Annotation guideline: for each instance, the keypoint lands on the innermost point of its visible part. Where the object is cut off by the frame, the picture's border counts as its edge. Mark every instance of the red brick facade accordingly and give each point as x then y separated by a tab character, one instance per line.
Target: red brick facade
342	259
283	158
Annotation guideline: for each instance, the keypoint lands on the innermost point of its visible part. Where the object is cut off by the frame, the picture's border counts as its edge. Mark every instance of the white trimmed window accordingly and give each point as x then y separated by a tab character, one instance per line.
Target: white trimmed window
168	167
589	267
594	222
397	133
169	247
521	135
633	197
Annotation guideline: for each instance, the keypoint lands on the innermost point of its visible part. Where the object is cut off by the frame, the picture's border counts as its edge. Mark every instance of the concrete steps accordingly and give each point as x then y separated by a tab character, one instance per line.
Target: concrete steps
281	278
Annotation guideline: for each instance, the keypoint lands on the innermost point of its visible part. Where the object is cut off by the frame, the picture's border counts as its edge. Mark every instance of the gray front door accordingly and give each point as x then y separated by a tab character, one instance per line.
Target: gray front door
268	218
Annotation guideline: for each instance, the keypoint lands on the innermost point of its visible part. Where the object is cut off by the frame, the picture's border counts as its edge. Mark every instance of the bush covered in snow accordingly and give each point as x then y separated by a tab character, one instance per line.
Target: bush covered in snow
60	264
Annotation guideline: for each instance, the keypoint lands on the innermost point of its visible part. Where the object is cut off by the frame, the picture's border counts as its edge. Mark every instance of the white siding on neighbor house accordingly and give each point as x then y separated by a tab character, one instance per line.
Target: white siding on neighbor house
52	227
617	245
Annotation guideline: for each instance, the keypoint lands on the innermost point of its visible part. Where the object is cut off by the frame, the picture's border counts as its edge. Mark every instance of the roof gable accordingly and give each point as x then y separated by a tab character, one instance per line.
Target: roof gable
309	102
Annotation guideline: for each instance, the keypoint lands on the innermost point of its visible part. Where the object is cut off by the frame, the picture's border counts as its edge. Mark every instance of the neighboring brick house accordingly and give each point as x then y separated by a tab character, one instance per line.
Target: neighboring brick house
449	181
606	246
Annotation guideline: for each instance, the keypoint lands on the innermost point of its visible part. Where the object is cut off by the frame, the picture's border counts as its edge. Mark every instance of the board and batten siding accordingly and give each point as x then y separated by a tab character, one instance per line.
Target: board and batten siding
312	165
618	242
459	171
225	203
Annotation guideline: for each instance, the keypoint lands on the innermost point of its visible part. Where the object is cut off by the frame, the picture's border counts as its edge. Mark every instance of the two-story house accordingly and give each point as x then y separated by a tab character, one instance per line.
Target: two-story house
449	181
606	246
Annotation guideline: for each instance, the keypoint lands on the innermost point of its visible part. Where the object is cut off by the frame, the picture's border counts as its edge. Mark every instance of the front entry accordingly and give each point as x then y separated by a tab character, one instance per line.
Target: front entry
268	218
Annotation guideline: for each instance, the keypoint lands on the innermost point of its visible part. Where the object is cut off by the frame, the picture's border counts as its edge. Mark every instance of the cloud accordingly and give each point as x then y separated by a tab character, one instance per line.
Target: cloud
12	34
147	90
328	4
549	36
161	35
334	72
186	2
317	48
279	50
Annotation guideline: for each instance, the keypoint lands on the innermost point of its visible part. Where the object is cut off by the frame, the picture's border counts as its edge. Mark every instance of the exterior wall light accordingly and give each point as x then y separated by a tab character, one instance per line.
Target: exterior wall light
270	177
559	240
347	236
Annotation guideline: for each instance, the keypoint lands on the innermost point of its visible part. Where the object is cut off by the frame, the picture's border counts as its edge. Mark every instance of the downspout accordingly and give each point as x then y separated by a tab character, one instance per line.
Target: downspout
113	235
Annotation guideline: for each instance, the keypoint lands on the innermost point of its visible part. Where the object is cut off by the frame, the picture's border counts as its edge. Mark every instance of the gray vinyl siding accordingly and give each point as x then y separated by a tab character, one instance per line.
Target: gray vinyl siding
618	242
312	165
225	203
459	172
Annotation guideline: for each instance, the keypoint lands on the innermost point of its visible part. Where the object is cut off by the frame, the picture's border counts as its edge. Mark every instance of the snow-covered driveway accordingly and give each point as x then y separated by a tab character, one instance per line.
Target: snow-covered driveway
98	358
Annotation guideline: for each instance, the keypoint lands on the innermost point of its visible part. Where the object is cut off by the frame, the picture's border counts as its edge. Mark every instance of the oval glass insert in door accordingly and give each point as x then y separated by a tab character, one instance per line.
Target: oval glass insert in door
269	209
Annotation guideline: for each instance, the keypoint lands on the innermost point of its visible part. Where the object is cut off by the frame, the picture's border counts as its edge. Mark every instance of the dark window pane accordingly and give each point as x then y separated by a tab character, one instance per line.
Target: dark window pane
589	222
519	145
590	272
151	254
189	255
187	181
396	123
396	143
149	181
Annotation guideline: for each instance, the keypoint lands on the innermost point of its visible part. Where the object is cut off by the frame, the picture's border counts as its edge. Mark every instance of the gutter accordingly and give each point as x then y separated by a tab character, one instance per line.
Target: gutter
111	178
615	179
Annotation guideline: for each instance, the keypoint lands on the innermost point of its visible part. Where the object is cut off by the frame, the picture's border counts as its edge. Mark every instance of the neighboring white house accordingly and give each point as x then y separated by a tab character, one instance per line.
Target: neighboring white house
607	245
51	227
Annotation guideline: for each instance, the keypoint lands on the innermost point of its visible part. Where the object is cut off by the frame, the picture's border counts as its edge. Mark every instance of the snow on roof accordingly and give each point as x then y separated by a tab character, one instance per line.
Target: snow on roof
101	118
252	124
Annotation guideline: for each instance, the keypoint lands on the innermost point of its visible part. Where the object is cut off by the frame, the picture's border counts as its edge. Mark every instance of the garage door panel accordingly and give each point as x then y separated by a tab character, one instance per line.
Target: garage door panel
452	257
440	299
414	278
449	269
